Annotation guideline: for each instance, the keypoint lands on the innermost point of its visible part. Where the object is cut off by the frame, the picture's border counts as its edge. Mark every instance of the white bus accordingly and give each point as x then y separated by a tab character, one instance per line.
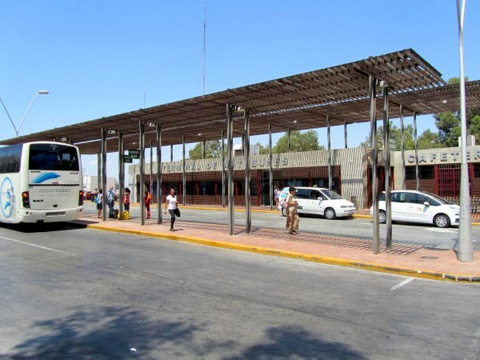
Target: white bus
40	182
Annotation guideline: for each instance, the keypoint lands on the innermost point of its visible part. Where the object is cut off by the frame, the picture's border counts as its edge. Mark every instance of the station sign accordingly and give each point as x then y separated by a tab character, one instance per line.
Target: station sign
127	159
134	154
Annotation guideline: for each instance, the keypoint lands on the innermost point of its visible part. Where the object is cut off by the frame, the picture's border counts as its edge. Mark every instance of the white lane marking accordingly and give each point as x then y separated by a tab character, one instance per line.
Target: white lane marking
474	350
37	246
442	230
404	282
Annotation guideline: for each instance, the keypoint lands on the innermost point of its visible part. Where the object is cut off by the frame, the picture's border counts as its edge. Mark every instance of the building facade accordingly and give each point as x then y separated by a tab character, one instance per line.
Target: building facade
439	173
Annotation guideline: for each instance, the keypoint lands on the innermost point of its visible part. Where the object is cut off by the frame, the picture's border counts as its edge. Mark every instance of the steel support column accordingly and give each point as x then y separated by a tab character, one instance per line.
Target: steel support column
404	172
329	154
374	158
104	174
246	152
417	170
141	142
204	148
171	152
345	134
121	174
222	160
99	169
150	181
184	174
289	140
158	133
465	244
270	166
231	209
388	180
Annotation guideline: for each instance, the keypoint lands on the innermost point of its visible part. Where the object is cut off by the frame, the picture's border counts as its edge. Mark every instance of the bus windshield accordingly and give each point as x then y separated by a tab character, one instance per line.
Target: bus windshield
53	157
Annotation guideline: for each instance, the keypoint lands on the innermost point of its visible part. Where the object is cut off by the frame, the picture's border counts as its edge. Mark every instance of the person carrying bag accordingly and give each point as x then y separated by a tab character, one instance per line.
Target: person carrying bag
292	215
148	200
171	204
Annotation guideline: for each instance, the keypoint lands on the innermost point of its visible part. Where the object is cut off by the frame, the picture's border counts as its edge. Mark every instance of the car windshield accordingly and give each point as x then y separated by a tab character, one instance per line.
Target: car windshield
332	195
439	199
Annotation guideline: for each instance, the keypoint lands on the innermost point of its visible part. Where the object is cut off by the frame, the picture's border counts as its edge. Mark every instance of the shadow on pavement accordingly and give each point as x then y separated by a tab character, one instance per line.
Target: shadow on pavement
123	333
45	227
296	343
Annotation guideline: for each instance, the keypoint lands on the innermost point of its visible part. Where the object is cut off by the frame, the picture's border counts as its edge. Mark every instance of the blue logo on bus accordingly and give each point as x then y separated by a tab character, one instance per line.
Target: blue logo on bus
44	177
6	197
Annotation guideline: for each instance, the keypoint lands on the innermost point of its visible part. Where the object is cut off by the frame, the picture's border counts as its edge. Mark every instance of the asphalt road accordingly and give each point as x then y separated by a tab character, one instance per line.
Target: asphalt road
73	293
424	235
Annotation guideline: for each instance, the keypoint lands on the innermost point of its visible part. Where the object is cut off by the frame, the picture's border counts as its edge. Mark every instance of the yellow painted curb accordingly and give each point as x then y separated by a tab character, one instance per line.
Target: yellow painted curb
294	255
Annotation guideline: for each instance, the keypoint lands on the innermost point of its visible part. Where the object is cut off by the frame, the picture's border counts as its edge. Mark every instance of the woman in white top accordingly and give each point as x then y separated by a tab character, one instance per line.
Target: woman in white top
172	205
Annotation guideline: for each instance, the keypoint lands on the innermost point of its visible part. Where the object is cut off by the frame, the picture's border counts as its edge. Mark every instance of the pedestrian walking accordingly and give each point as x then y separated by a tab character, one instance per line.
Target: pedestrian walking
276	194
171	204
292	215
98	201
94	196
111	202
126	199
148	200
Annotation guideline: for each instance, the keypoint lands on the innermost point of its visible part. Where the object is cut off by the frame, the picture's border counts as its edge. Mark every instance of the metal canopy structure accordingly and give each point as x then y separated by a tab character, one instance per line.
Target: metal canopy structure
296	102
338	95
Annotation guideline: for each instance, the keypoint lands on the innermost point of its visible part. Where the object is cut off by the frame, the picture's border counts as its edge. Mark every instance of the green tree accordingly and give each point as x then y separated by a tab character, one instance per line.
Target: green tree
263	149
429	140
395	136
213	150
449	124
306	141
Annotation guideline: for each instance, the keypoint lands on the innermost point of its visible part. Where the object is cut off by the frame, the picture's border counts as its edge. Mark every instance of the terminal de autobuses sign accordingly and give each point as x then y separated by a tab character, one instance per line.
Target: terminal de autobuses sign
256	162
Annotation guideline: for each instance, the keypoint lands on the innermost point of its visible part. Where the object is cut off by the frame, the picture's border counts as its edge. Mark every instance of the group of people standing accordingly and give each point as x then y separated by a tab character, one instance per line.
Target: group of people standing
171	204
98	199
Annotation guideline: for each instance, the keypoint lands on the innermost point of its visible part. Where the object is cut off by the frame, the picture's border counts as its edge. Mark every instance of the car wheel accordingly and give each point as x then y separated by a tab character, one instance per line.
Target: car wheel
441	221
284	211
382	217
330	214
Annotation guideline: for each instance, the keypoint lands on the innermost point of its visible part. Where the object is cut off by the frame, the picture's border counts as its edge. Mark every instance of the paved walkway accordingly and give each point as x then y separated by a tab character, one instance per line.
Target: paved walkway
410	260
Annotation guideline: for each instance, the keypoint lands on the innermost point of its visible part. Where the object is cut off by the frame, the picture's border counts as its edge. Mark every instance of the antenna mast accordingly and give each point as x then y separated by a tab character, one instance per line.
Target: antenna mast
204	43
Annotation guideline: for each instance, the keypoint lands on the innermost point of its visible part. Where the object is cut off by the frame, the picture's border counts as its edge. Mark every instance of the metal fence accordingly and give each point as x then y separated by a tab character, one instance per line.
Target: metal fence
474	202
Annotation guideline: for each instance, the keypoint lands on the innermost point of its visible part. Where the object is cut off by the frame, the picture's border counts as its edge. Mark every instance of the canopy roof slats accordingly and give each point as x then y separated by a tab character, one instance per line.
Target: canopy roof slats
294	102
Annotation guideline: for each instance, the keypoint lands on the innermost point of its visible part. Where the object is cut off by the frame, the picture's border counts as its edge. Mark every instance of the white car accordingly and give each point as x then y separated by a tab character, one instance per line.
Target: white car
318	201
419	207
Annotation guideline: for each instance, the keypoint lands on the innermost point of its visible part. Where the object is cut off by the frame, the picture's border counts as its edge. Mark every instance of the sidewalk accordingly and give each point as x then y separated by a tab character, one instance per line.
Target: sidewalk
410	260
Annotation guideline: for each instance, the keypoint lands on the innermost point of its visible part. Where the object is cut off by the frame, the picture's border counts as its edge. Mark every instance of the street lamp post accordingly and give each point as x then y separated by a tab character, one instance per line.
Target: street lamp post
17	130
465	244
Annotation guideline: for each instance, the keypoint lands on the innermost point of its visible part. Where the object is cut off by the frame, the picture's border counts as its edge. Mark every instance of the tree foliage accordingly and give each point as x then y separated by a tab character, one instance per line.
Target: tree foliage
306	141
395	137
427	140
213	150
447	123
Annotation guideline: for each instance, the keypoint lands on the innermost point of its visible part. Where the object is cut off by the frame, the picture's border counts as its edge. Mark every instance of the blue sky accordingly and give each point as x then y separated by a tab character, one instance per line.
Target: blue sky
100	58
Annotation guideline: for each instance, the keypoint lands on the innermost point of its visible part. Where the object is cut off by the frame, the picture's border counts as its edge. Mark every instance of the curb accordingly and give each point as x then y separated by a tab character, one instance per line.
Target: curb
426	274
